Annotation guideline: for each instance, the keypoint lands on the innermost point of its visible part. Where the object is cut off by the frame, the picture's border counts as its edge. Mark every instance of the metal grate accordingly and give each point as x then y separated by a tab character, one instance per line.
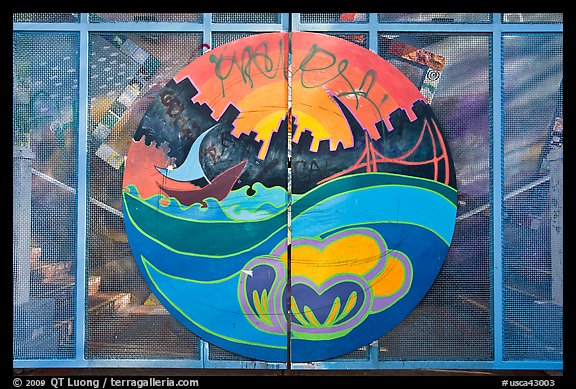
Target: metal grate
125	73
45	75
221	38
103	17
342	17
253	17
533	279
216	353
46	17
435	17
357	355
453	321
524	17
141	332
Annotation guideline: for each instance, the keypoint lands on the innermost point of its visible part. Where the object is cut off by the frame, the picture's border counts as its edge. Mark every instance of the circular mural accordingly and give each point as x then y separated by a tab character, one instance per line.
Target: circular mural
300	203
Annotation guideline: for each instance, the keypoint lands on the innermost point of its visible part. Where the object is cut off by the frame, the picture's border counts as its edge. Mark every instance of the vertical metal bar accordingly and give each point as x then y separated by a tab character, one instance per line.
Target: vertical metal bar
82	190
497	187
207	30
203	346
374	352
22	157
286	21
204	350
556	201
373	32
295	21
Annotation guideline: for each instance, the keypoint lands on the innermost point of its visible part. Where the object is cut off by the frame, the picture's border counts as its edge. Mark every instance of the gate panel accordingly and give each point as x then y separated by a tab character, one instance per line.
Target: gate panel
125	319
45	128
454	318
88	91
374	197
533	181
205	196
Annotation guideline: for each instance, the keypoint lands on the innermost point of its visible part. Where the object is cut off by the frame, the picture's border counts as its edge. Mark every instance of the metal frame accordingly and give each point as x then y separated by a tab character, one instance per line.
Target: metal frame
497	30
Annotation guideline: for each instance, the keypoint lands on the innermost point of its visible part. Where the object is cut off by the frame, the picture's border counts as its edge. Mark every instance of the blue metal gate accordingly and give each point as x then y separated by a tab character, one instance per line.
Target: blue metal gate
83	81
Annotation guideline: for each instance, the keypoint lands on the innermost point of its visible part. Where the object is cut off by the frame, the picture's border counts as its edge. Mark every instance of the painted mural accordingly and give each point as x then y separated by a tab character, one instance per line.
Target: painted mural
296	204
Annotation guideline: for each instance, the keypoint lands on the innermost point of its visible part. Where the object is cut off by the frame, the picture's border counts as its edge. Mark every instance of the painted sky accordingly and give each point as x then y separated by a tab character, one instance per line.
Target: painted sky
253	77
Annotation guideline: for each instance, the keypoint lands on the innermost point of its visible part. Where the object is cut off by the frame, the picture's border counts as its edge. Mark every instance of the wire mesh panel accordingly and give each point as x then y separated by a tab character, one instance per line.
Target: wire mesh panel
533	197
126	73
434	17
524	17
358	355
340	17
216	353
453	321
45	17
252	17
106	17
45	124
221	38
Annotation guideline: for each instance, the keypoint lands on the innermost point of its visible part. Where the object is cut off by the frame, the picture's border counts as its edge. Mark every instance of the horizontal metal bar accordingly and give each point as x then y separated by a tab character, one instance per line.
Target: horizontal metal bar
261	365
507	28
431	27
155	363
330	365
427	364
148	27
262	27
120	26
245	27
120	363
26	26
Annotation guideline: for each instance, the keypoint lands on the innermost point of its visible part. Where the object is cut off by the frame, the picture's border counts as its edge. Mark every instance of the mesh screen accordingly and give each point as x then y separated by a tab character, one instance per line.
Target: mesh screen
357	355
45	17
221	38
453	319
45	122
435	17
103	17
253	17
216	353
125	73
524	17
342	17
533	197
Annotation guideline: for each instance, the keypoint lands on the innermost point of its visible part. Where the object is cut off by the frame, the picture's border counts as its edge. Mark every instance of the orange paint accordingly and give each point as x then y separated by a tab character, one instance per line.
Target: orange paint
141	171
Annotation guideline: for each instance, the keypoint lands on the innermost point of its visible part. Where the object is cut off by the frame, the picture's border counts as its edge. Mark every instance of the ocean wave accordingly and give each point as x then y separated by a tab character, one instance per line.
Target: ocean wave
237	206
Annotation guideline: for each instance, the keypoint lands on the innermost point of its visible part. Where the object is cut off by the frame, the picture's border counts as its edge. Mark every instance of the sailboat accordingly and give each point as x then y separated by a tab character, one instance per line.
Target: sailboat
191	169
